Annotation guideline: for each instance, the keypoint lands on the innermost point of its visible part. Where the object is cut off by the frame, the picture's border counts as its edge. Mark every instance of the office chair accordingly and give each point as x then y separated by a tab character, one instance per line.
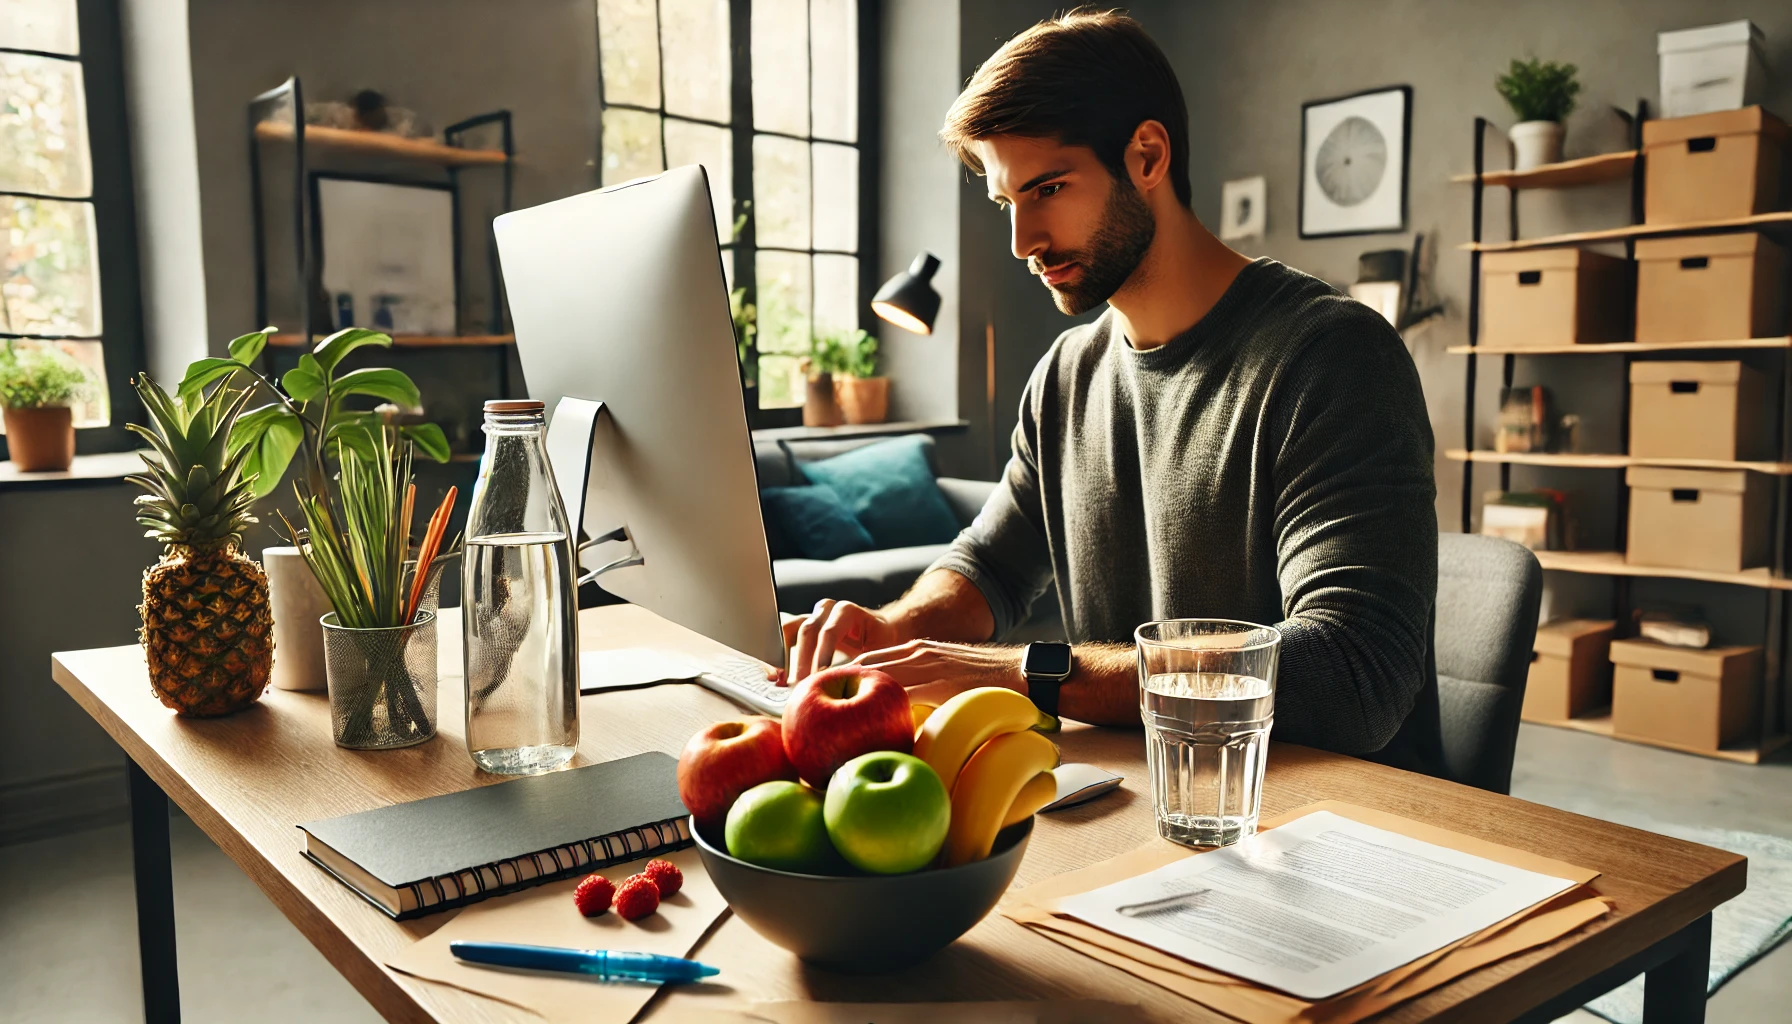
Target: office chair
1488	594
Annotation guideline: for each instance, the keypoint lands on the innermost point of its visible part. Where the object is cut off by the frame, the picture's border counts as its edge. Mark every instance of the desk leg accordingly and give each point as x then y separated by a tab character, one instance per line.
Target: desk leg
1674	990
155	899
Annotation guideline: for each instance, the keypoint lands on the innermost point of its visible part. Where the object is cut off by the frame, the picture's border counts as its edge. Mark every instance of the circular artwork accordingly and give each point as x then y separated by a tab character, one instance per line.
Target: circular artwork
1351	161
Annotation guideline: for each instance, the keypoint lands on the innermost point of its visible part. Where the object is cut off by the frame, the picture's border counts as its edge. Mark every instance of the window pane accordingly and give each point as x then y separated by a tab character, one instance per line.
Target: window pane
631	145
781	191
728	268
47	283
694	47
43	128
784	299
688	143
780	382
96	408
834	30
781	66
836	197
836	293
45	25
629	41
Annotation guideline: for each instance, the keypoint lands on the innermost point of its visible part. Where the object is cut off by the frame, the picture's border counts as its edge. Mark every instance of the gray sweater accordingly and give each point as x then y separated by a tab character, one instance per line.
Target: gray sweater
1272	463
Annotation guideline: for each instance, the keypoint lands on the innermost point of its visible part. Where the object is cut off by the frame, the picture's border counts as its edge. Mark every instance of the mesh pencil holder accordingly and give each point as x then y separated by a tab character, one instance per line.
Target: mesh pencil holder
382	683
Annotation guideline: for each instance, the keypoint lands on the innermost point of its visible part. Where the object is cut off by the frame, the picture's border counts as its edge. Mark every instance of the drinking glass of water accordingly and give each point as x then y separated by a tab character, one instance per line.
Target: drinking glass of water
1207	693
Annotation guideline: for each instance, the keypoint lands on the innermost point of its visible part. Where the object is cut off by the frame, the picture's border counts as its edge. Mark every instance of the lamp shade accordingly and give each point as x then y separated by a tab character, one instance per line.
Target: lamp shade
908	299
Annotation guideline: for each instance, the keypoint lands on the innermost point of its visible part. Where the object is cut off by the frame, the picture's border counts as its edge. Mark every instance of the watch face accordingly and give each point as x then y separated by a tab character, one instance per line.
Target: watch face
1047	659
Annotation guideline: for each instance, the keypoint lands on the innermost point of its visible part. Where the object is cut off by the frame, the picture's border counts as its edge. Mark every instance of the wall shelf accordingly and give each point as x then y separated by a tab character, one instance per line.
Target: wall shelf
1778	219
1612	563
382	144
1600	724
413	340
1618	347
1577	460
1587	170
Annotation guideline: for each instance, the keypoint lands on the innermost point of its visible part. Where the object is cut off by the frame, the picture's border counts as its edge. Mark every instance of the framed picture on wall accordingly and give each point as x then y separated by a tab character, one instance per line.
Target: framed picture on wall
1354	154
386	253
1242	207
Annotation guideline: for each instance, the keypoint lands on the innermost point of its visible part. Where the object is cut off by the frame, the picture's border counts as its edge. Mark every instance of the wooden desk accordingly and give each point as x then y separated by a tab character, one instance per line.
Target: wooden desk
248	779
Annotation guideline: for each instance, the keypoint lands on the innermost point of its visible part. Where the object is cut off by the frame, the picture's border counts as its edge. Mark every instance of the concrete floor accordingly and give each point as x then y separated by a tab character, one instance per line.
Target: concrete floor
71	941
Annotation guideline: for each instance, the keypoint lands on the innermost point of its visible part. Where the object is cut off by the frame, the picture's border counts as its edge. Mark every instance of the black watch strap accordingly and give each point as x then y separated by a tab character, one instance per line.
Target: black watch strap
1045	666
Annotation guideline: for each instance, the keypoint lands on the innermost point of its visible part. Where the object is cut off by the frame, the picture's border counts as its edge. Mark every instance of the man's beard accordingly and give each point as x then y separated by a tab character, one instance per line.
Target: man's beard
1111	256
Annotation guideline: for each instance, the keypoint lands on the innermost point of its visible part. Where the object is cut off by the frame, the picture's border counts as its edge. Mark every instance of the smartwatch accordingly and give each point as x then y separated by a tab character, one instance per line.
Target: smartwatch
1045	666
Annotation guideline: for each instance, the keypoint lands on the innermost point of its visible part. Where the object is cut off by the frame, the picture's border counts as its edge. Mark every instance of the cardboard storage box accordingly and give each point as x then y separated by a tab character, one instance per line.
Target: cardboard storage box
1554	297
1710	288
1684	696
1712	67
1715	520
1570	670
1704	410
1712	166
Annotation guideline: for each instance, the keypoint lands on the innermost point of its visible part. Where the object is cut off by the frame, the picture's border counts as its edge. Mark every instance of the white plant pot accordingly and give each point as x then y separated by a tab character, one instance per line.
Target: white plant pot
299	604
1535	143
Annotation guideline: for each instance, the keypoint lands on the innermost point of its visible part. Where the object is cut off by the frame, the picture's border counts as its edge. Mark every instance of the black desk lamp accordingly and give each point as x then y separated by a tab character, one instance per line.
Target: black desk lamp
908	299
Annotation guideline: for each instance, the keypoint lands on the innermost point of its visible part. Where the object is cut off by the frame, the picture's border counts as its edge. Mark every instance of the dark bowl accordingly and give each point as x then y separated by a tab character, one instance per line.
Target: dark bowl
865	924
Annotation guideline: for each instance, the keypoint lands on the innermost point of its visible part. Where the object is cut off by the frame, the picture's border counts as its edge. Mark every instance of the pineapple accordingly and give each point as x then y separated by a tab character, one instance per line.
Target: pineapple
207	629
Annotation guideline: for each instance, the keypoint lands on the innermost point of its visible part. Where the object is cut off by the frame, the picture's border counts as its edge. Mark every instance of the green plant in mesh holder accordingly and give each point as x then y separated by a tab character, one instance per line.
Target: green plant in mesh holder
1539	90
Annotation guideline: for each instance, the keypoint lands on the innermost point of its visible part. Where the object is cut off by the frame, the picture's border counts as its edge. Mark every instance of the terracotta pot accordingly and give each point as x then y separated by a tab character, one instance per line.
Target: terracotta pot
41	439
820	408
863	399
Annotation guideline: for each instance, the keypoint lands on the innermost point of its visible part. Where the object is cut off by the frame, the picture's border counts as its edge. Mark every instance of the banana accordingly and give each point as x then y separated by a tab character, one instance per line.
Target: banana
921	711
987	788
954	731
1039	791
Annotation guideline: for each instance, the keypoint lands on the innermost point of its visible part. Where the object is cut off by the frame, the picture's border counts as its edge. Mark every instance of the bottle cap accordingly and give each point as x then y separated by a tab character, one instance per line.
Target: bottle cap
514	405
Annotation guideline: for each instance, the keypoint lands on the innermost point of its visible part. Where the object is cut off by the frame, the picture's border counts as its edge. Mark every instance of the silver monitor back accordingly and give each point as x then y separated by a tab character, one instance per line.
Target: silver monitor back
617	296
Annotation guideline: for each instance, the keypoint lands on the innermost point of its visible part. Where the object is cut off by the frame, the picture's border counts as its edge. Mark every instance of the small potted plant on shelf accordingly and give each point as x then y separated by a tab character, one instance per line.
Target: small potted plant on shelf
864	397
827	357
1542	94
39	388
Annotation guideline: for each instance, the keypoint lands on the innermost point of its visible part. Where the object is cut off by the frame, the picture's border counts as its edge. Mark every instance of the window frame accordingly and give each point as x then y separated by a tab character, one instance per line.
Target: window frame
101	58
745	246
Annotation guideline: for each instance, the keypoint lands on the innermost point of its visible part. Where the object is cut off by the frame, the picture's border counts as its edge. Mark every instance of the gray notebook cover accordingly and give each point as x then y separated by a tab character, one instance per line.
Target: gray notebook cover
408	843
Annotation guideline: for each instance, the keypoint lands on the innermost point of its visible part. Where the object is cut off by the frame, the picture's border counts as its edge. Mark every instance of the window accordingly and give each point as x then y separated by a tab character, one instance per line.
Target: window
49	290
766	95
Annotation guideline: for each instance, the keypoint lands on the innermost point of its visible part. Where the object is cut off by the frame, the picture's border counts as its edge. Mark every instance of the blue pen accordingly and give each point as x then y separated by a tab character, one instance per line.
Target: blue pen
605	964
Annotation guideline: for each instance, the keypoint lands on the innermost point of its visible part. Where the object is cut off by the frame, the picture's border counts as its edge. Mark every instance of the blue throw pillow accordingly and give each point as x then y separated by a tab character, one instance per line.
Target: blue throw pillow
889	487
815	520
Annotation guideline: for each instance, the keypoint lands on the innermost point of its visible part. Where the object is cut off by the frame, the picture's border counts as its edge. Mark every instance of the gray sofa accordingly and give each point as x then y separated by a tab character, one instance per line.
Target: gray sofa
872	578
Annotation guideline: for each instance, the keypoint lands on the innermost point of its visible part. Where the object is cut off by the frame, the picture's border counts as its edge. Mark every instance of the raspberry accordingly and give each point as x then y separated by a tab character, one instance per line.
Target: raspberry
637	898
593	895
666	875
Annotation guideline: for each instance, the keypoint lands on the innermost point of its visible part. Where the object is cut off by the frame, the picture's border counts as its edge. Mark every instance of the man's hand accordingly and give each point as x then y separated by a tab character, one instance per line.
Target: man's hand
934	671
834	626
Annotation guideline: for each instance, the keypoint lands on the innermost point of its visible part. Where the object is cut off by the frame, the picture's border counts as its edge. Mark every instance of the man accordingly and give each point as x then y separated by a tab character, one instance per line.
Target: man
1231	439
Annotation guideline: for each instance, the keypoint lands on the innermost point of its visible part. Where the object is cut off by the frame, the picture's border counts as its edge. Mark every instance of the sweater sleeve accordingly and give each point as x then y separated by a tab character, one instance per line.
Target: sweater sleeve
1004	552
1356	538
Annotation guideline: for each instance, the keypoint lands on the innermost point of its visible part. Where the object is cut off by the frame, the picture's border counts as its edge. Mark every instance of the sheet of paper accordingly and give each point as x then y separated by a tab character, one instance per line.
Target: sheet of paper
1316	906
545	916
625	668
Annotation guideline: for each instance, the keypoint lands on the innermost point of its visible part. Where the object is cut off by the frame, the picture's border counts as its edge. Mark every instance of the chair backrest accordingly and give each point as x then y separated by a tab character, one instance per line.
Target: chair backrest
1488	594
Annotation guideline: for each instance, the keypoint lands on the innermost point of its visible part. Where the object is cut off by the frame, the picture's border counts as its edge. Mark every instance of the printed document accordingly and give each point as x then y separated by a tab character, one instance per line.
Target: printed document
1316	906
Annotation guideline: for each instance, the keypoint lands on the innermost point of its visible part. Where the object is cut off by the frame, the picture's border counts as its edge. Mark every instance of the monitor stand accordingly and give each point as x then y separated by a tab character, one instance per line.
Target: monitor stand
571	436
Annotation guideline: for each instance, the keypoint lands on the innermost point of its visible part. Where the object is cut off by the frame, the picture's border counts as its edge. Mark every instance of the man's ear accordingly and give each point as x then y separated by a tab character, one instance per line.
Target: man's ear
1148	156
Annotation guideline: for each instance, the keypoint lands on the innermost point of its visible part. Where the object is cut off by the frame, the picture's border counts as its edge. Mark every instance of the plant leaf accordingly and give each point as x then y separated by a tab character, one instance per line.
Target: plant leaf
273	434
307	380
244	348
391	385
429	440
202	372
331	350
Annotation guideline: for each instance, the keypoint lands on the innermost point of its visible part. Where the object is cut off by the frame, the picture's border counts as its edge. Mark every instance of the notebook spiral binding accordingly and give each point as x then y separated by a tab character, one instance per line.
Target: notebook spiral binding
466	887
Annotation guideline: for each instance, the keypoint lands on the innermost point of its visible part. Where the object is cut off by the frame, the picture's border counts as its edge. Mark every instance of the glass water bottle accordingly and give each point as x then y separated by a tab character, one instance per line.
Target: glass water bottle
518	604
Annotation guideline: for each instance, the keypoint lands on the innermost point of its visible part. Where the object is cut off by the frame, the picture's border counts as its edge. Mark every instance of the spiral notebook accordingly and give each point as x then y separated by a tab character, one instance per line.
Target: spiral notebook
448	851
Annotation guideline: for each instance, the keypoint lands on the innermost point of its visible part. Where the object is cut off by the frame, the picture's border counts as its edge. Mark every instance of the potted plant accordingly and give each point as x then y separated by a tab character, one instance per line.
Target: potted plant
864	397
827	357
1542	94
39	388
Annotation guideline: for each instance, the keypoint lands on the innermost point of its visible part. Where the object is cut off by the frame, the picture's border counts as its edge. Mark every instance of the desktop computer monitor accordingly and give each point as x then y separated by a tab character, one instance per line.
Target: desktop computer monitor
618	297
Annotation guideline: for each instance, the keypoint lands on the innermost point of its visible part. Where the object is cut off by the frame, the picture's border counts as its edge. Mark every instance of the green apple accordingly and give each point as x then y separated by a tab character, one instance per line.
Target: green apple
779	825
887	812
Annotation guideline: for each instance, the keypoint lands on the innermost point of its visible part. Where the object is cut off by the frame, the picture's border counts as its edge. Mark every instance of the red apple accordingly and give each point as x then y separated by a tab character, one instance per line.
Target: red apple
837	714
726	759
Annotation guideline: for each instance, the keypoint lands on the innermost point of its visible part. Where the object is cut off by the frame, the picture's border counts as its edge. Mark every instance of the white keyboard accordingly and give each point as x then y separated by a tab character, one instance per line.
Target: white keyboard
744	682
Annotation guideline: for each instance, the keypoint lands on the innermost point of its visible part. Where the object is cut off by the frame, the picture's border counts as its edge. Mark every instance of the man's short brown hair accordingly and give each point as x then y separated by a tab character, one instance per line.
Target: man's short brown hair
1087	78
